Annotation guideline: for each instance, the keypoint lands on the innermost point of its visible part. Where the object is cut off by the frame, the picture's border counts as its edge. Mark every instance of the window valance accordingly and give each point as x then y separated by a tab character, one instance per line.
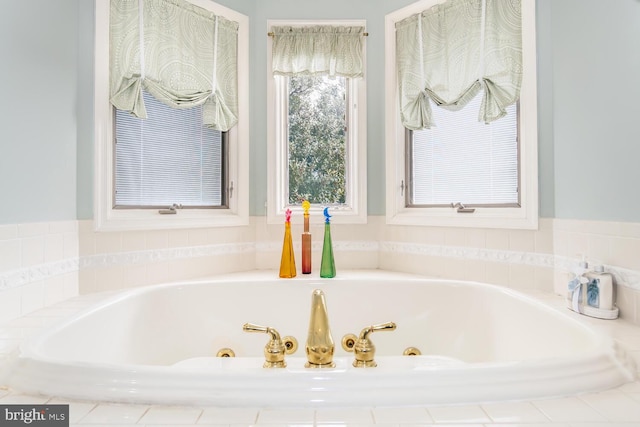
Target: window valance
451	51
318	50
181	54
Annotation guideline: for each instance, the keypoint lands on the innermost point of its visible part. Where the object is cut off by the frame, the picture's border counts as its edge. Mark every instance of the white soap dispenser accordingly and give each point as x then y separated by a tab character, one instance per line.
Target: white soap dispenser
577	287
600	297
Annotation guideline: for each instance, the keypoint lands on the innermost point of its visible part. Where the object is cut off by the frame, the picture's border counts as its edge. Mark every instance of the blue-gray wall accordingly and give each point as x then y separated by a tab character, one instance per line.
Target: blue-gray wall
38	111
596	113
588	68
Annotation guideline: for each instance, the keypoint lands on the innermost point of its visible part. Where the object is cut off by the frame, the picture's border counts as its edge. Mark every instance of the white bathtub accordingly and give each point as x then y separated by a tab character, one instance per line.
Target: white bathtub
479	343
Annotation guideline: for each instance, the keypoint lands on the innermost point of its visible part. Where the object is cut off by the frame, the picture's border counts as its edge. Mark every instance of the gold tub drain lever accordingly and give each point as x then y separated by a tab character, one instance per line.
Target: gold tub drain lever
276	348
363	347
226	352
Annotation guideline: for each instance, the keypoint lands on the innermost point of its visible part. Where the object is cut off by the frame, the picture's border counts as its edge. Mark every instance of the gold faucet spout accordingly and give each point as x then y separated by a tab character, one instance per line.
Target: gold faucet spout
319	346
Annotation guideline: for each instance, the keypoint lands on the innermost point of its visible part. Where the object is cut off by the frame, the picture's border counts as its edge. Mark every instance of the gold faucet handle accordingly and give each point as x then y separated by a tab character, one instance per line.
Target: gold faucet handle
389	326
276	348
251	327
363	347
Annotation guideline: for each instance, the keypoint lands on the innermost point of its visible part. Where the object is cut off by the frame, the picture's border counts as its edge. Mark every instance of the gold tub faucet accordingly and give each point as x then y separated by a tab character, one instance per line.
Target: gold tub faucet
363	347
276	348
319	346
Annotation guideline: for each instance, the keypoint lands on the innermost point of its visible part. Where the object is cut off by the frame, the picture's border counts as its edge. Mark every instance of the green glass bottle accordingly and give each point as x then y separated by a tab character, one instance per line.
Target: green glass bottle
327	264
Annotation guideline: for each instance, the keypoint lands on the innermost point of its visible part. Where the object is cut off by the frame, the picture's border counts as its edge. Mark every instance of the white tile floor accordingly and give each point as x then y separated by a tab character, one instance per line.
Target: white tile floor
613	408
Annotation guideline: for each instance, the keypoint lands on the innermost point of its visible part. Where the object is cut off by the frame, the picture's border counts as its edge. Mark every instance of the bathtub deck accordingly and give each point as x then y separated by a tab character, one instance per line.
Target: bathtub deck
613	408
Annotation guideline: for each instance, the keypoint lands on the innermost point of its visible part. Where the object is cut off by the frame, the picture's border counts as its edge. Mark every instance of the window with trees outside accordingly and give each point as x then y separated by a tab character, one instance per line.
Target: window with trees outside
317	140
317	145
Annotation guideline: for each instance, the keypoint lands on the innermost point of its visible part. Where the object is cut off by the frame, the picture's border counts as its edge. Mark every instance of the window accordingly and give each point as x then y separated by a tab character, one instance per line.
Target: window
169	158
317	142
490	169
463	160
204	171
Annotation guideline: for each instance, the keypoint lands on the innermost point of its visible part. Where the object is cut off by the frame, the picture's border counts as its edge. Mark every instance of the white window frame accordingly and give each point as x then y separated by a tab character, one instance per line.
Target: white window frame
354	211
523	217
106	218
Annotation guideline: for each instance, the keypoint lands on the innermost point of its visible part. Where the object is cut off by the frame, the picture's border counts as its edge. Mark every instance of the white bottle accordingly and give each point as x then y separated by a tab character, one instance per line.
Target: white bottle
605	287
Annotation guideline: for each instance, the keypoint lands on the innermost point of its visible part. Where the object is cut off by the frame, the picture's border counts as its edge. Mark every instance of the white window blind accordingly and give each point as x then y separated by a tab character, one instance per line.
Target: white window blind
465	160
168	158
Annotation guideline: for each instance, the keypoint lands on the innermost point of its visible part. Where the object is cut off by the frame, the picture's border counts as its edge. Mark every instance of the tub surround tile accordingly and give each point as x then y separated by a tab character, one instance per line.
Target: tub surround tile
170	415
10	252
23	399
8	231
31	229
292	416
522	412
104	425
568	409
615	406
530	425
229	416
10	304
459	414
347	416
134	241
114	414
554	245
402	415
77	410
607	424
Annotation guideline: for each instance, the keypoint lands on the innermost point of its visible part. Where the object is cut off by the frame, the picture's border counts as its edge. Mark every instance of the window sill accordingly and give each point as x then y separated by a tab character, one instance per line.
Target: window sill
150	219
339	215
512	218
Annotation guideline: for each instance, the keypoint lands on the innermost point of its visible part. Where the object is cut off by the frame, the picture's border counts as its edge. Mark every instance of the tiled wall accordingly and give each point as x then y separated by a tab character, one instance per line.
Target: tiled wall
616	245
47	262
38	266
515	258
117	260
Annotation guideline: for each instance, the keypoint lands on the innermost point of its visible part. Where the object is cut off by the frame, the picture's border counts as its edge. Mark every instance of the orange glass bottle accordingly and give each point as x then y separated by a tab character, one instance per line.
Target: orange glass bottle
287	261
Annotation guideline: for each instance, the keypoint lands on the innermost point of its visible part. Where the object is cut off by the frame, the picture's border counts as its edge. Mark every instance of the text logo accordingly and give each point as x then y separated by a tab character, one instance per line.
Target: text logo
34	415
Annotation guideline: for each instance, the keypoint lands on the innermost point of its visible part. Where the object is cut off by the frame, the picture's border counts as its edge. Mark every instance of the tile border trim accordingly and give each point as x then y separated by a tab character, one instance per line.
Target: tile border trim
16	278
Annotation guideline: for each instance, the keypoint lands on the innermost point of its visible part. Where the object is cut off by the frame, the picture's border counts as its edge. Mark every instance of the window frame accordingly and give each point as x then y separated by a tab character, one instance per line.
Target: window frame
354	211
109	218
397	212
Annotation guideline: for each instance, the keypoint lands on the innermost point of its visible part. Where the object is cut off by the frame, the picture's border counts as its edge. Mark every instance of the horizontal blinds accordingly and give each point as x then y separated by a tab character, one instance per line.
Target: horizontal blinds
170	157
465	160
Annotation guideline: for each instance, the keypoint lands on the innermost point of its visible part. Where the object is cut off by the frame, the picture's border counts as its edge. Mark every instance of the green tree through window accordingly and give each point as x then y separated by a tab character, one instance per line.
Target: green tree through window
317	140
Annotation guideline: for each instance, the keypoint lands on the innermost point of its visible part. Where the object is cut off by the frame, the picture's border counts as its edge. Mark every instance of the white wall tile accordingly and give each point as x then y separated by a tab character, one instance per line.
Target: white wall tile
134	241
10	304
108	242
10	255
8	231
32	250
626	253
32	297
497	239
53	247
157	239
522	241
33	229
